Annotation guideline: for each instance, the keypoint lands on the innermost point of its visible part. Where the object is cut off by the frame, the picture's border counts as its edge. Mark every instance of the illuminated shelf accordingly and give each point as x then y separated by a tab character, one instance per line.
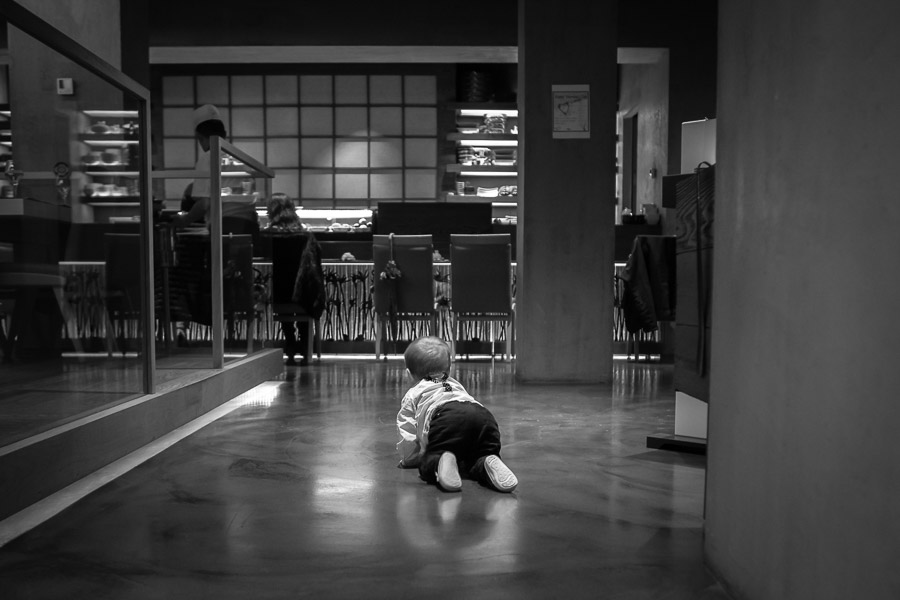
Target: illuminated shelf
108	139
488	170
110	114
484	139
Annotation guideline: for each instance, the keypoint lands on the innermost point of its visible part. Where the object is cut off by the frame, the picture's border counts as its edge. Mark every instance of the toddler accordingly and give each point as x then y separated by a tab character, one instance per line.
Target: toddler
443	429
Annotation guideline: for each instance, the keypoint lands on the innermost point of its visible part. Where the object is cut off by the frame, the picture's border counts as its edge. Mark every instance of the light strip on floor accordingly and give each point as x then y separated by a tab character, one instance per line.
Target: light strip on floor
43	510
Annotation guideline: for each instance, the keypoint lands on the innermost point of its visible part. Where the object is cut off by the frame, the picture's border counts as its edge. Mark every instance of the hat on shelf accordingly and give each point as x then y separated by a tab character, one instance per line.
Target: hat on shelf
207	112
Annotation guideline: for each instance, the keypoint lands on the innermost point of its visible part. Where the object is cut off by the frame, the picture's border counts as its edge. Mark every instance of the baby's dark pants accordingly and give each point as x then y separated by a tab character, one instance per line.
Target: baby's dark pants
466	429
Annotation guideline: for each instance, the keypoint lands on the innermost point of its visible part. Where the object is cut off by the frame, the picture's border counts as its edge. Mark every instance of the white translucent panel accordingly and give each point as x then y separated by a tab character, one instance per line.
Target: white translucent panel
316	152
316	185
282	152
386	153
385	89
255	148
315	89
386	185
421	183
212	89
316	203
178	122
386	120
350	89
420	89
225	116
351	121
316	120
247	122
179	154
351	185
349	154
175	188
286	182
246	89
178	90
421	152
420	121
282	121
281	89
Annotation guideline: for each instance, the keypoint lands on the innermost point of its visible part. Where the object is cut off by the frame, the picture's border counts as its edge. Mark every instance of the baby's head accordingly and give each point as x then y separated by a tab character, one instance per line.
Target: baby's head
428	357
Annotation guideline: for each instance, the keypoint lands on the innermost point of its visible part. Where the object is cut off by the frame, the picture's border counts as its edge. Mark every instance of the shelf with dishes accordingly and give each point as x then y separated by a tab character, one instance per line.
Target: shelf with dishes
486	139
110	152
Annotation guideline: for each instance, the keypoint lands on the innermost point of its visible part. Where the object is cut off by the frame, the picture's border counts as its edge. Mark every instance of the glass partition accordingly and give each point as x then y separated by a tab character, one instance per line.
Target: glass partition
213	319
76	309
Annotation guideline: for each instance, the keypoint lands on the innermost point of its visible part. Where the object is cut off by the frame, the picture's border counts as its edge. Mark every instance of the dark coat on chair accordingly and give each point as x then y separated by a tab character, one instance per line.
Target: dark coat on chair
309	286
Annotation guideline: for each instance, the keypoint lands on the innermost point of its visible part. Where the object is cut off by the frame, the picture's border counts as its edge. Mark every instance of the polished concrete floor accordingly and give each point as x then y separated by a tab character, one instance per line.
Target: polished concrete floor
296	494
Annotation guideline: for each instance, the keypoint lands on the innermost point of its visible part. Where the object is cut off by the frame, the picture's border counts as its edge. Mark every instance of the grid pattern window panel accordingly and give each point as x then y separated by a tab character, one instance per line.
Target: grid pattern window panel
254	147
179	153
281	89
351	154
247	90
386	153
386	185
282	120
178	90
386	120
386	89
350	89
247	122
317	152
420	89
175	187
420	152
282	152
351	120
212	89
178	122
315	184
316	120
420	183
315	89
351	185
323	134
420	121
286	181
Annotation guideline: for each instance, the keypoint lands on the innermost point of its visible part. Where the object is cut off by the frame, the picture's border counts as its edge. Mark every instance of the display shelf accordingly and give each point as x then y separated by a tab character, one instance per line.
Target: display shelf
488	170
109	139
110	171
485	139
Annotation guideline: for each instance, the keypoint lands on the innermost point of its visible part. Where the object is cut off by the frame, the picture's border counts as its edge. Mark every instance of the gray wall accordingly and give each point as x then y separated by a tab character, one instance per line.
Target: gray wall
803	476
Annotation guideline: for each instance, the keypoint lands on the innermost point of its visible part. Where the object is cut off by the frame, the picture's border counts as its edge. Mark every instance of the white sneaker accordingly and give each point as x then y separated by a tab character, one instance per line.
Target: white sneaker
448	473
499	474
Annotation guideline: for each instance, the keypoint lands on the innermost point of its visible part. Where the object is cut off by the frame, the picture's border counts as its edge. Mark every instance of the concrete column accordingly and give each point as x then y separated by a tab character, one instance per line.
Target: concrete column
566	195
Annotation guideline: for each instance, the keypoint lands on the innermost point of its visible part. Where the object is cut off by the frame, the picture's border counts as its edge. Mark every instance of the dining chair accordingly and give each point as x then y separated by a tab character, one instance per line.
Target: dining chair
123	288
409	297
481	286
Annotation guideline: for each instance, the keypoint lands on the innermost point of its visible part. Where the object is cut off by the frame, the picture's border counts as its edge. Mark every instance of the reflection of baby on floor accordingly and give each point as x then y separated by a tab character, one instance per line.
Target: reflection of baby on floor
443	429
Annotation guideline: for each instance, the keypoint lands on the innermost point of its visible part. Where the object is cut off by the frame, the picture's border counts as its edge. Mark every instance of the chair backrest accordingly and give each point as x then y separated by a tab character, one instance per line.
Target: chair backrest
414	255
122	253
287	248
237	284
480	278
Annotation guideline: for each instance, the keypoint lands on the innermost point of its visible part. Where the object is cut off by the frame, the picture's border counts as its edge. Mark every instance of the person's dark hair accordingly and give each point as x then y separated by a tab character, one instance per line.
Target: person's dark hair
212	127
282	213
428	357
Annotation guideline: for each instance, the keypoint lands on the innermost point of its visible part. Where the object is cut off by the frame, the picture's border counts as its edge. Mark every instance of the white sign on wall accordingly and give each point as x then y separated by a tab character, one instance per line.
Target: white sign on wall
571	111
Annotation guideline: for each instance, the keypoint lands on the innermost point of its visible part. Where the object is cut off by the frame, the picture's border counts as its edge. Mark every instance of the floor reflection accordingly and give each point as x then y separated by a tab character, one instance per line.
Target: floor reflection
296	493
